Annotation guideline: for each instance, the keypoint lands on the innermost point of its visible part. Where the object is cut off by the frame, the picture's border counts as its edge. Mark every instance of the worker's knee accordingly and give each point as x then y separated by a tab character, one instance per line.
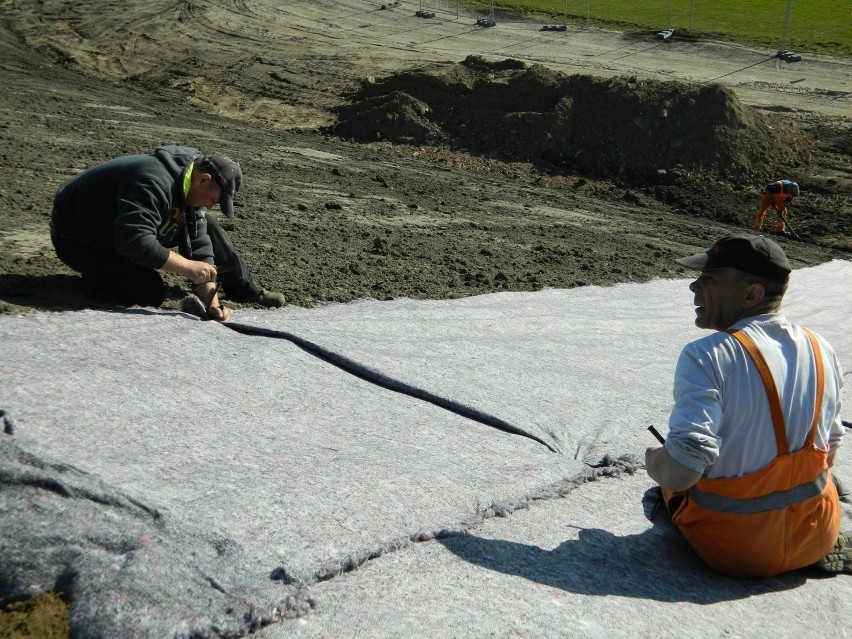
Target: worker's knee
135	286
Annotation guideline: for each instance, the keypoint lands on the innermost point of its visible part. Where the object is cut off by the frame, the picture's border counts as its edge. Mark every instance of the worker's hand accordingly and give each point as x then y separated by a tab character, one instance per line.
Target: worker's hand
199	272
195	271
207	292
218	312
650	451
667	472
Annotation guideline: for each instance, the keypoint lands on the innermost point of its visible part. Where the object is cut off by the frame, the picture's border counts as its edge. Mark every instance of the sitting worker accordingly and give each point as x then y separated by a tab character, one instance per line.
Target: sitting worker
745	469
778	194
114	223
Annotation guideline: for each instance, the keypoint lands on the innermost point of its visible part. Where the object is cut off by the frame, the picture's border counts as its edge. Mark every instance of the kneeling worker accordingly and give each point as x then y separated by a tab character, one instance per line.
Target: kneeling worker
745	469
115	222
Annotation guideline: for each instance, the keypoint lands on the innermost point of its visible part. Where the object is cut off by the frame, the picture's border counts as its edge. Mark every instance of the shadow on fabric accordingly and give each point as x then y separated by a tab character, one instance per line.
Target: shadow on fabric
57	293
655	564
46	293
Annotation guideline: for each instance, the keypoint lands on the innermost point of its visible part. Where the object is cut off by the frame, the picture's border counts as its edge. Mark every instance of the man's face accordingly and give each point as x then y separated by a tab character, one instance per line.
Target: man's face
720	299
204	191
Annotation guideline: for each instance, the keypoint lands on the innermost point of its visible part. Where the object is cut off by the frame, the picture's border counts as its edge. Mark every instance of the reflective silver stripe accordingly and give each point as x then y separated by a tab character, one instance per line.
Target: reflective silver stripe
752	505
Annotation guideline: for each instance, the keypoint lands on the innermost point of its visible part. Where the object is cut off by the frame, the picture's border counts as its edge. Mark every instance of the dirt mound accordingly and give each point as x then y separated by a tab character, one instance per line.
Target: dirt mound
620	127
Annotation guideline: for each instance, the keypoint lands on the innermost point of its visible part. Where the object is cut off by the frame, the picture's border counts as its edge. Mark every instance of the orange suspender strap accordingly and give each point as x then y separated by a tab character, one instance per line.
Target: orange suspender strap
772	391
820	384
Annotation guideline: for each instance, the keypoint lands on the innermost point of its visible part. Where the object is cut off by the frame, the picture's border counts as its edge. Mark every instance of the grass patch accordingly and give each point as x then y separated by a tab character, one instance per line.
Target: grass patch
815	27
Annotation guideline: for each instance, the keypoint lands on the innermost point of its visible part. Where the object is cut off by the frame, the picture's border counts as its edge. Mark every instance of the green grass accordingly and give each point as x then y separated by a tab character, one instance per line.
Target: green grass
816	26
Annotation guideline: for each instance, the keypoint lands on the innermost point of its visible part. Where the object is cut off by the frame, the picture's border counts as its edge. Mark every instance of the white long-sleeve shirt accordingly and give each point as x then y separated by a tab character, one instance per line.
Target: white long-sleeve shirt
721	425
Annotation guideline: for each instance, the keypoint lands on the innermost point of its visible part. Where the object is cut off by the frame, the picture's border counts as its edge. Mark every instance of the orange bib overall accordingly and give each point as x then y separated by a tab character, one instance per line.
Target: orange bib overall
779	201
782	517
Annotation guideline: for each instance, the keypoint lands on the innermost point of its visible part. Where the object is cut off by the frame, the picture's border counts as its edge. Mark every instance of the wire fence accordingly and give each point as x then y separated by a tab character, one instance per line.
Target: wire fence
824	27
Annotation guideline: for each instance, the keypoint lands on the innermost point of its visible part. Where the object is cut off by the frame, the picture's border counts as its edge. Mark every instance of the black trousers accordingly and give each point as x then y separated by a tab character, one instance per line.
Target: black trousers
121	281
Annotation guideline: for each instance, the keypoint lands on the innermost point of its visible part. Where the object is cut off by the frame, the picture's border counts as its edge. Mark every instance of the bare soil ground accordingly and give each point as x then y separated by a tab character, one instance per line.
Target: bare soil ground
542	160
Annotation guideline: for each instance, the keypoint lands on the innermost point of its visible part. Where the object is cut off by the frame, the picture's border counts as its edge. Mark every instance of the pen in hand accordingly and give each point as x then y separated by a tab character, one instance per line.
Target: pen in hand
656	434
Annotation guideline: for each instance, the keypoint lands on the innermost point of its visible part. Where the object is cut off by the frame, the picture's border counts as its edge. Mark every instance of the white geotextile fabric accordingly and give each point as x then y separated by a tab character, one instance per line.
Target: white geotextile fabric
586	369
252	439
589	566
304	465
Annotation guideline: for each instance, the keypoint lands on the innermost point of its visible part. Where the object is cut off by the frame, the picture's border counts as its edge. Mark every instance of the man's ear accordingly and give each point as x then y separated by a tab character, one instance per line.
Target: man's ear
199	178
755	293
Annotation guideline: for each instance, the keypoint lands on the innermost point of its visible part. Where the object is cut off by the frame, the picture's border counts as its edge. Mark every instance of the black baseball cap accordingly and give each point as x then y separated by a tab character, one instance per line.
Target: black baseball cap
753	254
228	176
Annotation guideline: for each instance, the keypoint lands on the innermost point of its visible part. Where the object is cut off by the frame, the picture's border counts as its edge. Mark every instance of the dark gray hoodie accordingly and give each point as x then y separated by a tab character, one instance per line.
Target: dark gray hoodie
135	205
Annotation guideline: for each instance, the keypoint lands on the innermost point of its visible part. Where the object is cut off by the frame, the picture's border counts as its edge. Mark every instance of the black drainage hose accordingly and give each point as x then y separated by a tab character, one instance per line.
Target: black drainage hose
375	377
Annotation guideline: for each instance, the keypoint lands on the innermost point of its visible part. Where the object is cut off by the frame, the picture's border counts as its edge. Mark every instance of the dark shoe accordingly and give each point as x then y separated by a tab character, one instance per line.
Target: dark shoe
653	503
839	560
842	491
269	299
